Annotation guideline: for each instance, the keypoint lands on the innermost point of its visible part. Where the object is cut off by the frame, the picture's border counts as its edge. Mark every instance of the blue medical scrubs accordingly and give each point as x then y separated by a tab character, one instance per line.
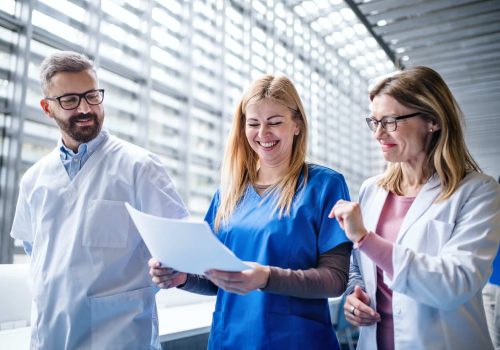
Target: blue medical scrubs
261	320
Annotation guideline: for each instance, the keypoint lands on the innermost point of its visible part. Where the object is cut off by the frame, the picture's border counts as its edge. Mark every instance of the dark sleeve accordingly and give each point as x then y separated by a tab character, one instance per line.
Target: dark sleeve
355	277
328	279
199	284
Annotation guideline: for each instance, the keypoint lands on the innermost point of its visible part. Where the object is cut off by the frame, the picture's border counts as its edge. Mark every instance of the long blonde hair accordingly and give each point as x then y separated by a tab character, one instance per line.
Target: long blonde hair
424	89
241	163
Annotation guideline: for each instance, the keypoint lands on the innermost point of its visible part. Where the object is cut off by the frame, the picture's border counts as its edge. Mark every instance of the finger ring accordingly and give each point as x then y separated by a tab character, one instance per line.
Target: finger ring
353	308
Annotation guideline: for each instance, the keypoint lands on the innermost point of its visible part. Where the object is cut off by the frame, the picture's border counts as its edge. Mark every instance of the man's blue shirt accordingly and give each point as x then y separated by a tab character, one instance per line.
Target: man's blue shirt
72	161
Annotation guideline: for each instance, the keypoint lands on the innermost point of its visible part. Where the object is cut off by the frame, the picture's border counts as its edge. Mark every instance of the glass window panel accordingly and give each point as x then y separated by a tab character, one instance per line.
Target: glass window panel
165	57
258	34
58	28
167	77
165	19
127	18
235	46
68	8
32	152
9	6
259	6
173	6
163	37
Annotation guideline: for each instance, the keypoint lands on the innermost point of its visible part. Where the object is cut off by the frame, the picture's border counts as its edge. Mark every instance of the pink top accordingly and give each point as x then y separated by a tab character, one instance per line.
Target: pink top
378	247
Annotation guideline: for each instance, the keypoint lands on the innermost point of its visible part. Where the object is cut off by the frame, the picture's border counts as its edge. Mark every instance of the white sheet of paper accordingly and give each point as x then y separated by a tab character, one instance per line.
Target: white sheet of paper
185	246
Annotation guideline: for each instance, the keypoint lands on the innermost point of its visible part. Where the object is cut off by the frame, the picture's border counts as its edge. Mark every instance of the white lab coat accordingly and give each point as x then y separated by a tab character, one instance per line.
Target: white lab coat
91	288
442	258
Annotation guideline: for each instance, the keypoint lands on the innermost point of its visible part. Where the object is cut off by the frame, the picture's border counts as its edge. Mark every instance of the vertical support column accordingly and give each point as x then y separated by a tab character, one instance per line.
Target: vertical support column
188	16
14	135
249	38
146	81
270	17
224	83
94	19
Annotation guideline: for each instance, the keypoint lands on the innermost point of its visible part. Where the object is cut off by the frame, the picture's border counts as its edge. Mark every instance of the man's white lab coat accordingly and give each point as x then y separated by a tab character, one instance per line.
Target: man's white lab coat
91	288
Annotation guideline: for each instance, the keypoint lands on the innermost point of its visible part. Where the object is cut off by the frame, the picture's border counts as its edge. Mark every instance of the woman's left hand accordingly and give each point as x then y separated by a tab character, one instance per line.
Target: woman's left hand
348	214
240	282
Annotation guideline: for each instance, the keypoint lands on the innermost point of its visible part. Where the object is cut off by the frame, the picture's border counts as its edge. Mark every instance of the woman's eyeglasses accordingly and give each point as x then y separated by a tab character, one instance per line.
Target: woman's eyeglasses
389	123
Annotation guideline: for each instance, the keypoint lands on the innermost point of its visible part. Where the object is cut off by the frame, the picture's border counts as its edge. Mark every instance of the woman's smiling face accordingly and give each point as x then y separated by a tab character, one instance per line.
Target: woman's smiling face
270	130
409	142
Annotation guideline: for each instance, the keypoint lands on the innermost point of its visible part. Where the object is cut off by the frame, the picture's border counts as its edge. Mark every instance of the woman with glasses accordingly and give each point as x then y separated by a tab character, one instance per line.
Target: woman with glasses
426	231
272	209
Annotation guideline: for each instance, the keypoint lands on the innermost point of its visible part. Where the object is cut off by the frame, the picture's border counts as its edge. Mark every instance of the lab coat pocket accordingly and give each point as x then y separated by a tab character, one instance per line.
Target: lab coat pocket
106	224
437	234
123	320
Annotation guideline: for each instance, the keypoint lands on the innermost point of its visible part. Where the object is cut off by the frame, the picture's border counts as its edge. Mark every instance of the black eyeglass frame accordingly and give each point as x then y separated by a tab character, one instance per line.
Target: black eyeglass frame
373	123
83	94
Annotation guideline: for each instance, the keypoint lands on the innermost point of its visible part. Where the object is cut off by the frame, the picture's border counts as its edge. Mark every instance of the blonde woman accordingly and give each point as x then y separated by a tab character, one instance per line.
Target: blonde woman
426	231
272	209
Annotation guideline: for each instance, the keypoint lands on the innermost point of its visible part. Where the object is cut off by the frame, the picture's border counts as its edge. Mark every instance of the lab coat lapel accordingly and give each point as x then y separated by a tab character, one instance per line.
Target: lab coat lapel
56	169
82	176
57	166
375	209
371	215
423	201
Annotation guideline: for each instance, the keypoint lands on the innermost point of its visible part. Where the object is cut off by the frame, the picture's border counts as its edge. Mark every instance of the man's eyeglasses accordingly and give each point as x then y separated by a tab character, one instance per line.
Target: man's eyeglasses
72	101
388	123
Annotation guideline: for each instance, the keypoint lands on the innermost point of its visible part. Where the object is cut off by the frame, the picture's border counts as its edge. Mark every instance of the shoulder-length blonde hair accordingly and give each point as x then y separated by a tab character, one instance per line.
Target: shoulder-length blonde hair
241	163
424	89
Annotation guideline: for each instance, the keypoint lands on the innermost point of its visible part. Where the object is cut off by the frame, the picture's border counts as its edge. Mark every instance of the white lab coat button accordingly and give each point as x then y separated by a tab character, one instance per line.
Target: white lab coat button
396	309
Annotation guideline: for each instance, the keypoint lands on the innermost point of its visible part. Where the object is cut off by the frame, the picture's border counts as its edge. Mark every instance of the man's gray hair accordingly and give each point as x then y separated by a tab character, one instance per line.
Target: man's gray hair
62	61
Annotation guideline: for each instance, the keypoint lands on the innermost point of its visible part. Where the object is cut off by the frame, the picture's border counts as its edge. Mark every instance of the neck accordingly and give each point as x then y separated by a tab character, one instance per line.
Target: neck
268	175
71	144
413	179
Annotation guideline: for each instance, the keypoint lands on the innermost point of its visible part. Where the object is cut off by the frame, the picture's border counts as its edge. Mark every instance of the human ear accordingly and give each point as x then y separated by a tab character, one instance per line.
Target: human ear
434	126
46	107
296	131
